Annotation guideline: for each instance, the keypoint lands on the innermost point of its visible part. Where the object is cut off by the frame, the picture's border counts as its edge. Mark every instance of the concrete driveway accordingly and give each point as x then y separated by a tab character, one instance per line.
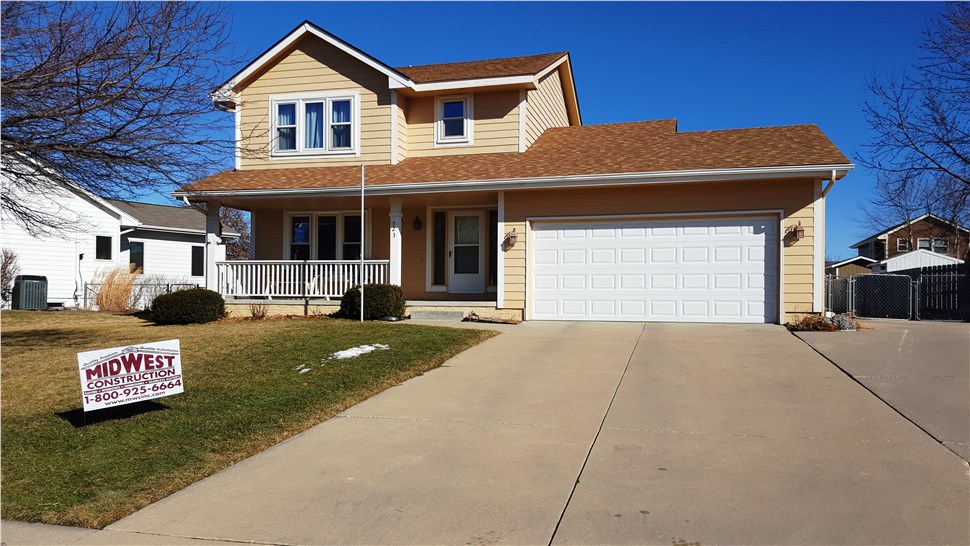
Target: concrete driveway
922	369
572	433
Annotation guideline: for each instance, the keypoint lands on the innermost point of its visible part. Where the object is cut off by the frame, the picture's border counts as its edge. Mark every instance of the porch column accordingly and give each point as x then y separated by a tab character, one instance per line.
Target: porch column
395	254
213	231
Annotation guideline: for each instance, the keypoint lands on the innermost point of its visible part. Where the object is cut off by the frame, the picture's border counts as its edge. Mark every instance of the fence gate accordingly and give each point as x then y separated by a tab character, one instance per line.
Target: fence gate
882	296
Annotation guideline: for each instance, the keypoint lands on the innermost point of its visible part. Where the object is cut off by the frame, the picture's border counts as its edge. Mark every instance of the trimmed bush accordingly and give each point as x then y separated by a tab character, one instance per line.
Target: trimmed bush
193	306
380	300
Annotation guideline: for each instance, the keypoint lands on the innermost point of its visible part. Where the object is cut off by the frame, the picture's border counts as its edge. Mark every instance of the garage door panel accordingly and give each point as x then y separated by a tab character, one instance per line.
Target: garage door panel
713	270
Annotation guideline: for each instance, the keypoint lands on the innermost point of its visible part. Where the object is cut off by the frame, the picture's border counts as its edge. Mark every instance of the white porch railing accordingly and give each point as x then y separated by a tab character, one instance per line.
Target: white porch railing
297	279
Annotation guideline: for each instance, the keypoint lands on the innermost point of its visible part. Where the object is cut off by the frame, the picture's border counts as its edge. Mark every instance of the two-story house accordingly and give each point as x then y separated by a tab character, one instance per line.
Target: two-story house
483	190
927	232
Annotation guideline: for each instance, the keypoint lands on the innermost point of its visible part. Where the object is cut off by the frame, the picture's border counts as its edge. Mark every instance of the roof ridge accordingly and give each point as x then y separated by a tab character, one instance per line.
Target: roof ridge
757	128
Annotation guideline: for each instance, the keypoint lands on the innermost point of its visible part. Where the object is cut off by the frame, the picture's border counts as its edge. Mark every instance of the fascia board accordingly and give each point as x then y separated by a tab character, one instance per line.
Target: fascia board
463	84
662	177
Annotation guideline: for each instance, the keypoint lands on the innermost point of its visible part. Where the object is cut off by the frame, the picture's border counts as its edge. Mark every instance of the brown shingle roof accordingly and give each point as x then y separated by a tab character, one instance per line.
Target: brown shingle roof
491	68
640	147
164	216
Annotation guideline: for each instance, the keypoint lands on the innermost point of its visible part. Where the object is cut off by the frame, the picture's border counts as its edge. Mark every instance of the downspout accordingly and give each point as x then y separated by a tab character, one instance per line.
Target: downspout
829	186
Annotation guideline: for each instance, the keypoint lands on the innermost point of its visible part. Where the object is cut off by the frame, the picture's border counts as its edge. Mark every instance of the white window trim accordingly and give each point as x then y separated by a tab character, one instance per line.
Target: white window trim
300	99
288	231
469	139
902	245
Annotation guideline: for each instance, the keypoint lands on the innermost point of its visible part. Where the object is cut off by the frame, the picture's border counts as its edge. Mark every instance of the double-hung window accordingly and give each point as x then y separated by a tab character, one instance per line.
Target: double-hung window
453	120
902	245
940	245
314	124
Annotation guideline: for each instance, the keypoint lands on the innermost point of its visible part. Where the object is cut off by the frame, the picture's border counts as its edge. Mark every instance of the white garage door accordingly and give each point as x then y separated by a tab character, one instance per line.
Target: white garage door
695	270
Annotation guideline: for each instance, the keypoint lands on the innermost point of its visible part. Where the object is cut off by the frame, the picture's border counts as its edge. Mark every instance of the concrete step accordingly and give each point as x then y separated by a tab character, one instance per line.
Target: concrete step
419	314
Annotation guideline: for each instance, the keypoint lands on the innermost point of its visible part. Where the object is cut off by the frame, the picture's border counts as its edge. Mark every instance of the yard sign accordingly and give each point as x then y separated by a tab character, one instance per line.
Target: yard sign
122	375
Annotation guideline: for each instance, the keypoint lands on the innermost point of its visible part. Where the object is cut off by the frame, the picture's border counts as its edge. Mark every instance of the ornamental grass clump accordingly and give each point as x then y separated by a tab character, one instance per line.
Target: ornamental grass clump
380	300
194	306
114	293
813	323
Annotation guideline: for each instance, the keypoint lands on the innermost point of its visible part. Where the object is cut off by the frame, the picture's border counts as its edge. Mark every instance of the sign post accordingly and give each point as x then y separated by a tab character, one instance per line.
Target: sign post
124	375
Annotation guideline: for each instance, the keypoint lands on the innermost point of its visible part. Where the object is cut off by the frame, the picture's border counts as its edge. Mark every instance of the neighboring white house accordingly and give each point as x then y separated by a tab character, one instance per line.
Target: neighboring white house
94	234
913	260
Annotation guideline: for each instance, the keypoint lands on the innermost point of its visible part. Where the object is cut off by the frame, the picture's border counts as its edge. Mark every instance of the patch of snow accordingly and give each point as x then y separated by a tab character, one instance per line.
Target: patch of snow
304	370
357	351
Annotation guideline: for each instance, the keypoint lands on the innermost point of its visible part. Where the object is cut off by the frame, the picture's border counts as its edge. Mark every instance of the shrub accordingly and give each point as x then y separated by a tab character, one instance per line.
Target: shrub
380	300
258	311
192	306
813	323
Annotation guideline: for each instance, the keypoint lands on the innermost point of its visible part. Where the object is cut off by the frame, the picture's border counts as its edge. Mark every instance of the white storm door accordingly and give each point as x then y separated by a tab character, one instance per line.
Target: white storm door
466	253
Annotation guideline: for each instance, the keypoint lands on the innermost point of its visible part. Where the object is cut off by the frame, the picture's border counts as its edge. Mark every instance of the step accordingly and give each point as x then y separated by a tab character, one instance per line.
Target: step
419	314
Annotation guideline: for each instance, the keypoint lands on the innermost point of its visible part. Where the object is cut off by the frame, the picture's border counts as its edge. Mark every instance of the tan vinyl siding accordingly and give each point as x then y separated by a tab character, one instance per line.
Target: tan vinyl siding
313	66
496	125
268	237
546	108
794	197
402	127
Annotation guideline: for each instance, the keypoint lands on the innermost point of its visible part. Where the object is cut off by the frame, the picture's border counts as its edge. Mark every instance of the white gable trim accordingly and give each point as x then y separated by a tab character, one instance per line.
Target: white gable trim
850	260
395	79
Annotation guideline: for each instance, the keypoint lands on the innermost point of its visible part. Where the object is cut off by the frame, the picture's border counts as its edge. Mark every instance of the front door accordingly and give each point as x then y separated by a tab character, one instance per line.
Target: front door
466	253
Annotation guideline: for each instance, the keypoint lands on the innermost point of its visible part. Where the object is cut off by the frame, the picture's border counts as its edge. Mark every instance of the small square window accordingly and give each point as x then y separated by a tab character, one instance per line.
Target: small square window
102	248
902	245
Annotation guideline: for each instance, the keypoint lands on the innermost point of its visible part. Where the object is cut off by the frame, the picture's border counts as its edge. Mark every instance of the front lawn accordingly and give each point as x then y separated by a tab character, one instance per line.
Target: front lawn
243	393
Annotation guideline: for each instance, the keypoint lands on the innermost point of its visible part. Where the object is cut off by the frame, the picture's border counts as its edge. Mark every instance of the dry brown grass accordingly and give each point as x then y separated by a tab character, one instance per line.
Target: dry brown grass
114	295
258	311
241	397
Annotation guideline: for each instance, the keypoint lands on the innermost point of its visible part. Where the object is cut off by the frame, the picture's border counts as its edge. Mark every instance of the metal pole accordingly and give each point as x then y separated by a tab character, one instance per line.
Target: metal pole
362	242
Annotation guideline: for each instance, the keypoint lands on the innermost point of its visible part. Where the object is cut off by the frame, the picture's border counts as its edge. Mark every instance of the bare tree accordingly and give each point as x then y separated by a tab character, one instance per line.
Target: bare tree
235	220
108	97
9	269
922	126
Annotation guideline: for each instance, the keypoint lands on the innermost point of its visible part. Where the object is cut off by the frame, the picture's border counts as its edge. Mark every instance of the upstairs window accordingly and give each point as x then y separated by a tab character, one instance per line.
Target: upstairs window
902	245
940	245
923	244
314	125
453	120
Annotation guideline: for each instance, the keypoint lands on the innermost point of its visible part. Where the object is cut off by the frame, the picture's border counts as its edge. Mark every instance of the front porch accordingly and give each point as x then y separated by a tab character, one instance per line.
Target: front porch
440	249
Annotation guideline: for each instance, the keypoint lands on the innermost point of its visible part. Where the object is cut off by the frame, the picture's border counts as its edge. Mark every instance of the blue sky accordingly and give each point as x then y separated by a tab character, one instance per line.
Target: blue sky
710	65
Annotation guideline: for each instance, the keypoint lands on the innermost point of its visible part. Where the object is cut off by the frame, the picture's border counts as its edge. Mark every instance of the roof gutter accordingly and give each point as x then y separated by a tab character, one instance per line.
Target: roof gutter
597	180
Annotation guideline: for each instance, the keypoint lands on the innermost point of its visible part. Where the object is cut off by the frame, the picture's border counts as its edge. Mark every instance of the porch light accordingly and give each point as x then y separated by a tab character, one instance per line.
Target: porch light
417	223
797	231
511	238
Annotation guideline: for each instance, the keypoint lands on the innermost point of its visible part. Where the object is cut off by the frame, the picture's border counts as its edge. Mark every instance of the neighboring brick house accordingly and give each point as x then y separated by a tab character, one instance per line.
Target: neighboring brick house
927	232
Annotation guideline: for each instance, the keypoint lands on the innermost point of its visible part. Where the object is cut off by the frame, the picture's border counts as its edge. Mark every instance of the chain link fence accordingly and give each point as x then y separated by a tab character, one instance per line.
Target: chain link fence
142	294
933	296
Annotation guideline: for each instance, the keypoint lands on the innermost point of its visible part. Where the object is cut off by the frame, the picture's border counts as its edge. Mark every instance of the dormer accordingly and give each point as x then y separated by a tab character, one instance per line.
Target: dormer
315	100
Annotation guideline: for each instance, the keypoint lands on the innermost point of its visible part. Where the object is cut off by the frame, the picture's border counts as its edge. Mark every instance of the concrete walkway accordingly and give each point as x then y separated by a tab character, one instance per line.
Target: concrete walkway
594	433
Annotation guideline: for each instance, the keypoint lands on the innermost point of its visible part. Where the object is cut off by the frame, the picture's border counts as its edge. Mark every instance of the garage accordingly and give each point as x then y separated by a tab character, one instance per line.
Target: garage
666	270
